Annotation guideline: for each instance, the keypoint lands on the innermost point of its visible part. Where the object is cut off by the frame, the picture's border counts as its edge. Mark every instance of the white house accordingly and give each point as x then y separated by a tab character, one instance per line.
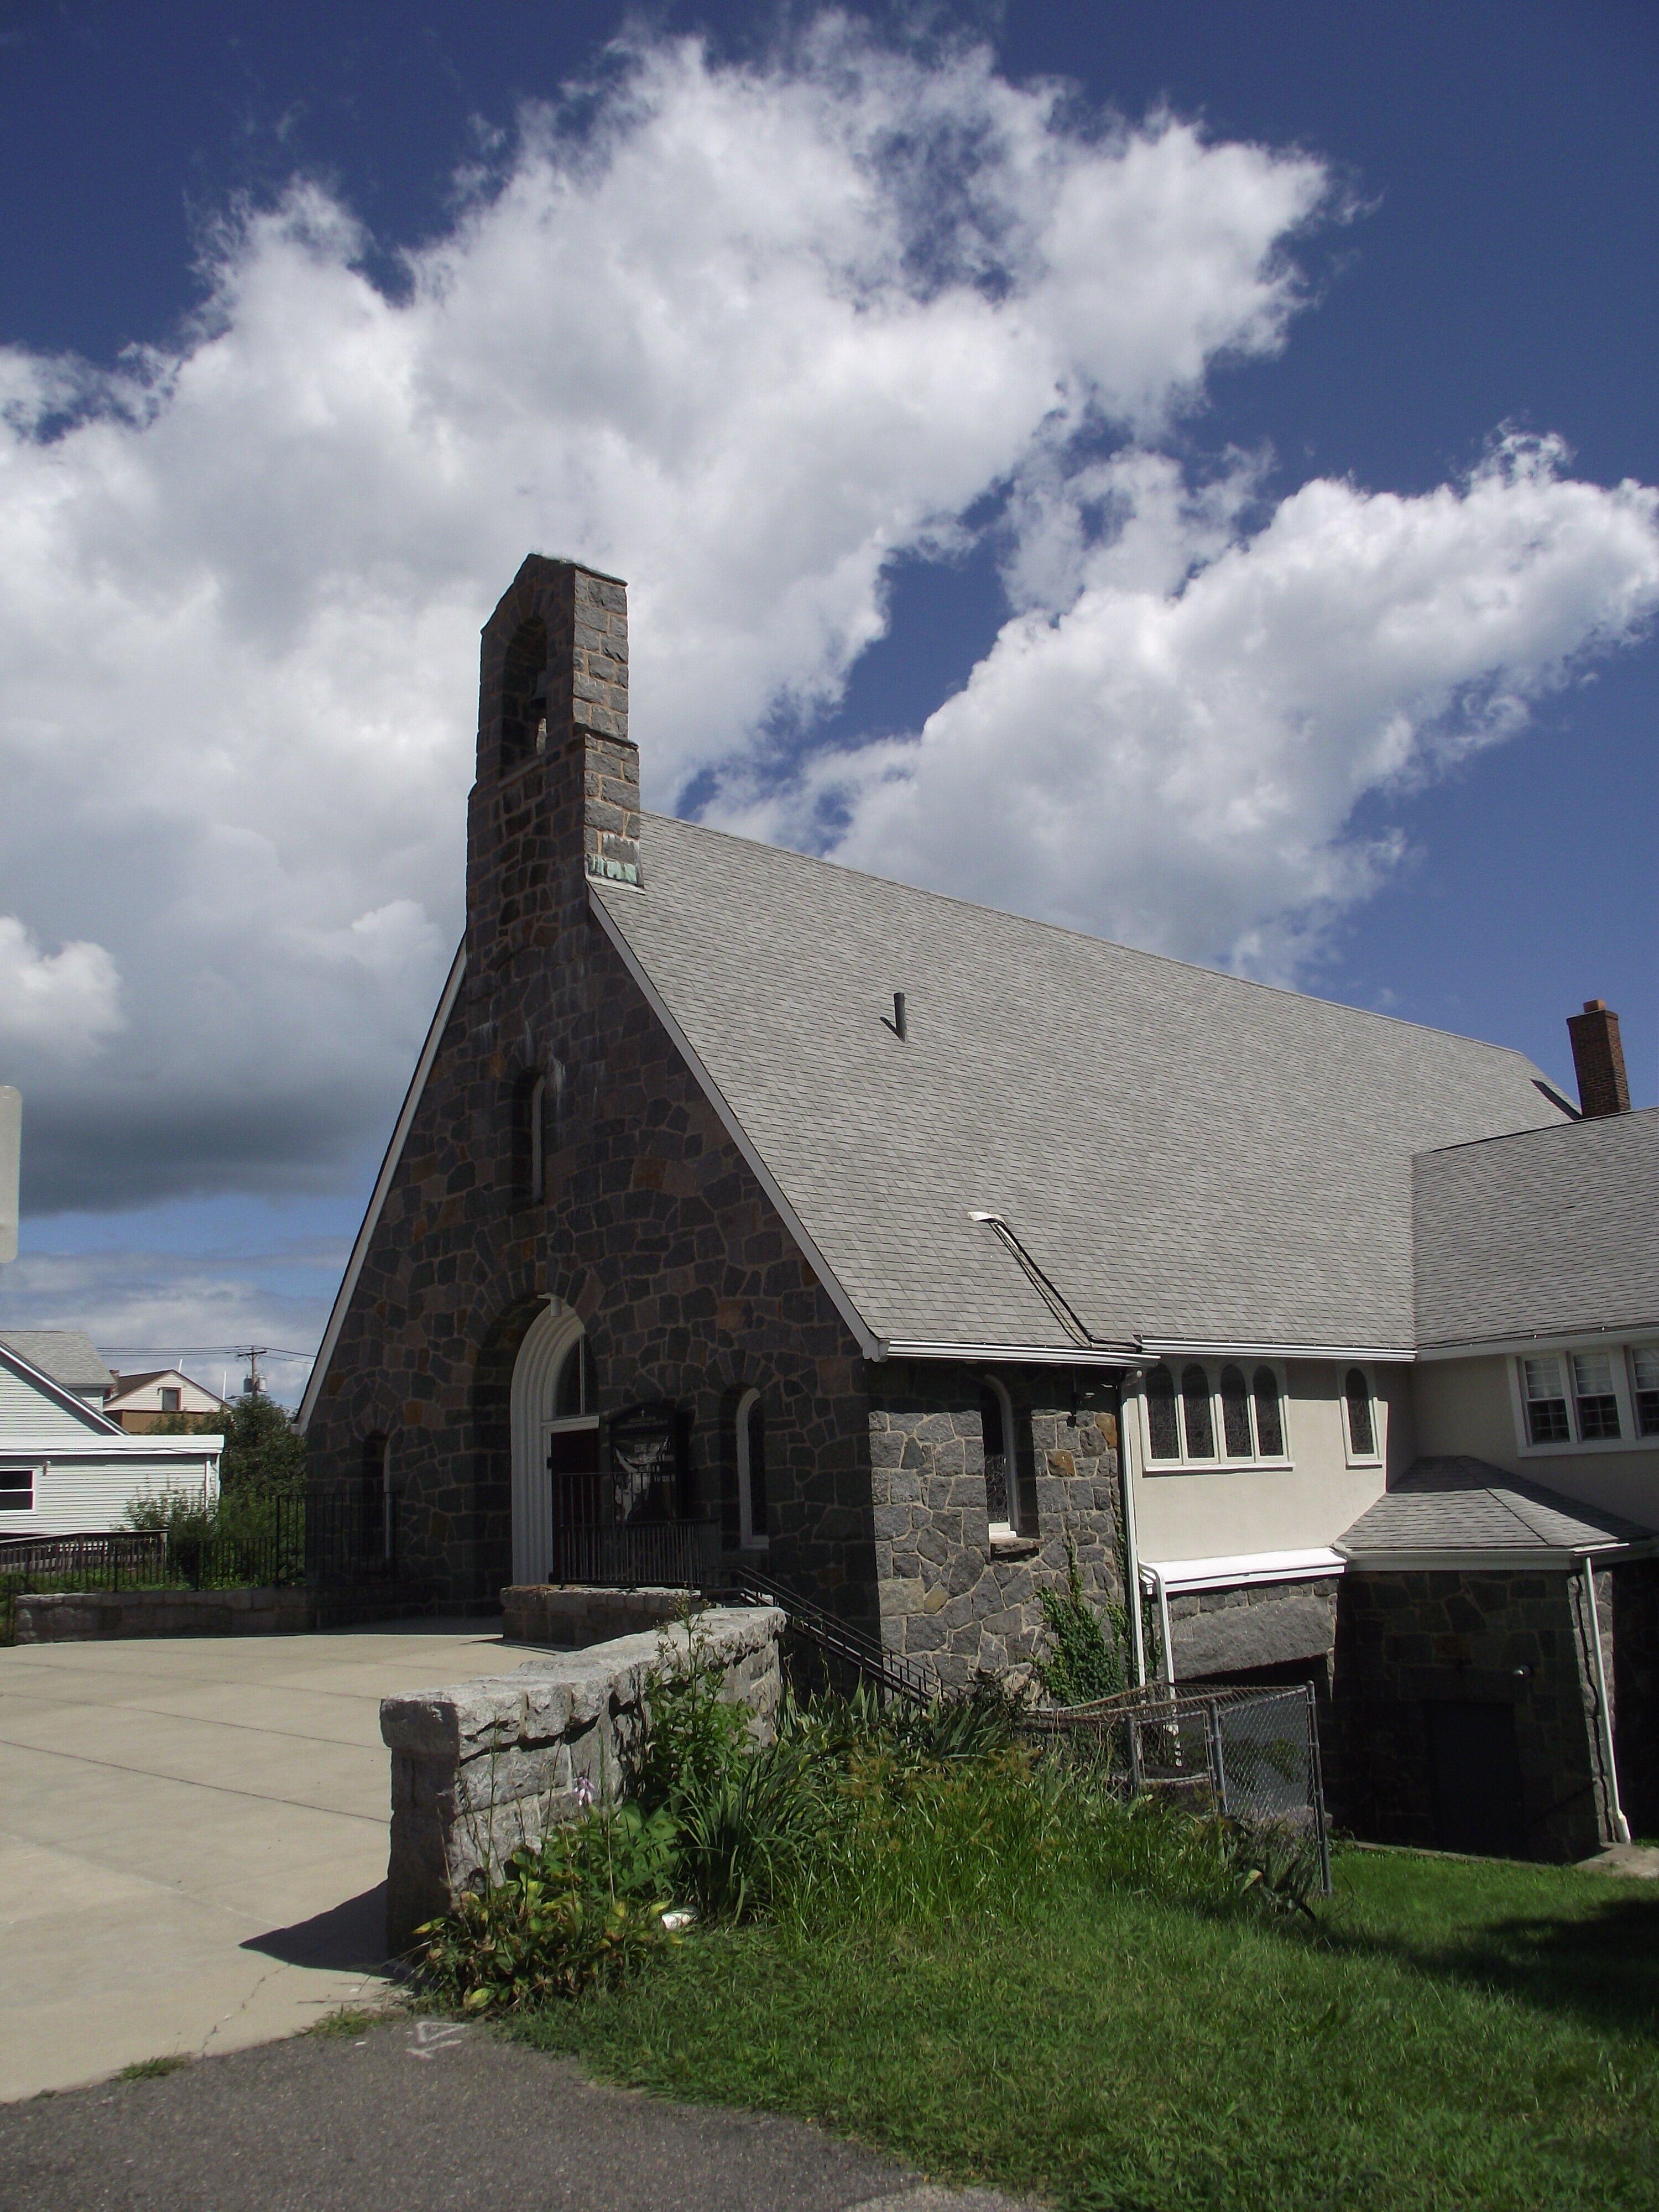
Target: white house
65	1467
142	1402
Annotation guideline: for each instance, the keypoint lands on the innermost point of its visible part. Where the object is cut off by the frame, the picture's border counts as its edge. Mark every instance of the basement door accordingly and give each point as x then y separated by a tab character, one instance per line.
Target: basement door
1477	1779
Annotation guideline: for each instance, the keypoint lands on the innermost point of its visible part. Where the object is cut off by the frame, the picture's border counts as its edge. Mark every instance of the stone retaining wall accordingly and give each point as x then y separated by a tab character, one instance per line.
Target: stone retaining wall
91	1616
1238	1629
572	1614
480	1768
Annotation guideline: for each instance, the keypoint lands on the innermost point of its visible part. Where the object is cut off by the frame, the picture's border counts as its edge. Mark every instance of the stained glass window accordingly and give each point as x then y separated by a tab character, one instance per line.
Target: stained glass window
1235	1414
1165	1439
1362	1430
1269	1421
1195	1412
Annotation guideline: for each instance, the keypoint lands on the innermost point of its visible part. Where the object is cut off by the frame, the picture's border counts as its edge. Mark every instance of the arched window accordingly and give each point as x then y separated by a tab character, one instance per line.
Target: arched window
574	1394
1195	1412
996	1429
1235	1438
372	1534
1163	1438
1269	1420
753	1525
1362	1424
524	697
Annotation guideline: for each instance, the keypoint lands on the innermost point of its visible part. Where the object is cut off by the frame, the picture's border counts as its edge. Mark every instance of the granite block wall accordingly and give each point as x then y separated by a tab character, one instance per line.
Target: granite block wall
1408	1640
947	1592
1238	1631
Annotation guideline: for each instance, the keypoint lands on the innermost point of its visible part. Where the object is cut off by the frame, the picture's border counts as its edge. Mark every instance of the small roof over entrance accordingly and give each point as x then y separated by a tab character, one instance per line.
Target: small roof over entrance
1462	1512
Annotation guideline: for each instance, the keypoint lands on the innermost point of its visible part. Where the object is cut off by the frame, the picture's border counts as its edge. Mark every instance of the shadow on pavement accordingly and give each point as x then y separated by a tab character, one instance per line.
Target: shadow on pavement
350	1937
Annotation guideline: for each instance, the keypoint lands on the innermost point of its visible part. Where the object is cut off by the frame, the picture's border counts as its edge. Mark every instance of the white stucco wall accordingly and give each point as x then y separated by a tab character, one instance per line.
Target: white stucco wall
1238	1510
1467	1406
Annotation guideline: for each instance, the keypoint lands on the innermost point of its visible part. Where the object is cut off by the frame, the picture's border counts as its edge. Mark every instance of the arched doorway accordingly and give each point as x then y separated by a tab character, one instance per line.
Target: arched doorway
555	1433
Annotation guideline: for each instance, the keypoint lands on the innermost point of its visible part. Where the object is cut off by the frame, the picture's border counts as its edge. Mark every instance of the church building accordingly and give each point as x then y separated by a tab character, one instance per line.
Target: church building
743	1207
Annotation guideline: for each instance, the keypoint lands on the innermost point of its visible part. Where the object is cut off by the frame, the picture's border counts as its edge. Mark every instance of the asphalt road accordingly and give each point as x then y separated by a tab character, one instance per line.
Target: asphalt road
427	2116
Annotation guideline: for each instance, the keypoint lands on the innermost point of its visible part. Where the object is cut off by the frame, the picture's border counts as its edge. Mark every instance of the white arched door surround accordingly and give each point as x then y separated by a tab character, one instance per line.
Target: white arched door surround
554	1334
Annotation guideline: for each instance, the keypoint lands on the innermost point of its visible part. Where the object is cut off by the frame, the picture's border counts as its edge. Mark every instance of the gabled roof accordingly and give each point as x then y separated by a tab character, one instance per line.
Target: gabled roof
1185	1156
129	1386
67	1355
16	1367
1463	1506
1548	1233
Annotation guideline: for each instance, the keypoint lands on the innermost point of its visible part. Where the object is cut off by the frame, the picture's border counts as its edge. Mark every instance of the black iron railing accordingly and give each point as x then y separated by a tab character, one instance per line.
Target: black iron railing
634	1554
832	1647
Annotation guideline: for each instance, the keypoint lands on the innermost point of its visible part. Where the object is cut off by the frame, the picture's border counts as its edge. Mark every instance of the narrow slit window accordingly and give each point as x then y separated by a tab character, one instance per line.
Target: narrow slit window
574	1394
1164	1438
1546	1403
996	1429
1645	1364
1596	1403
1362	1425
1195	1412
753	1525
1269	1417
1235	1414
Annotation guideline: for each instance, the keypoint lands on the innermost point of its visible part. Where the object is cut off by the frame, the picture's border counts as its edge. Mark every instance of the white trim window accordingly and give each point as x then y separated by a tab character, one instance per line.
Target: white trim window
1212	1413
1001	1452
16	1489
753	1528
1362	1418
1593	1397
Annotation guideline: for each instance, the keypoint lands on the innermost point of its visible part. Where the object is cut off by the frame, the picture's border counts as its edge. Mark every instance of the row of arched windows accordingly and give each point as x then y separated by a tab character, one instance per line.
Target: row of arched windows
1208	1415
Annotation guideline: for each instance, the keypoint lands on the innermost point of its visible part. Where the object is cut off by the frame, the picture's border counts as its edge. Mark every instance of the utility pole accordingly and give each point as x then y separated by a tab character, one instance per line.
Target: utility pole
254	1387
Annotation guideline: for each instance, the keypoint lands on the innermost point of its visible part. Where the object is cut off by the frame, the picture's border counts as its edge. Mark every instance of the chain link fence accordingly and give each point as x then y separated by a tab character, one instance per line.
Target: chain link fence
1250	1755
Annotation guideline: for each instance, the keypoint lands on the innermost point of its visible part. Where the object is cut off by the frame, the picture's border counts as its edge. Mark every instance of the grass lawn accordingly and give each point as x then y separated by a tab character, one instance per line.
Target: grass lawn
1453	2034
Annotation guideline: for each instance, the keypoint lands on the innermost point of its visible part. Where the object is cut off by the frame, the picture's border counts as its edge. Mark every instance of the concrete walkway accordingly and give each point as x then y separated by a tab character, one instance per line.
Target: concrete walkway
193	1838
428	2116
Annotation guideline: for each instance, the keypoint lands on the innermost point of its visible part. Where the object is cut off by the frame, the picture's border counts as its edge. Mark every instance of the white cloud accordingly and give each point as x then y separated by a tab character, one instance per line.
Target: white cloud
1168	743
59	1004
743	335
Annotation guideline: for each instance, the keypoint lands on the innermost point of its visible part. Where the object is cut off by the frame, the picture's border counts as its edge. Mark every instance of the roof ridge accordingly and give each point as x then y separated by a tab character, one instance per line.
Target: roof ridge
1543	1128
1089	937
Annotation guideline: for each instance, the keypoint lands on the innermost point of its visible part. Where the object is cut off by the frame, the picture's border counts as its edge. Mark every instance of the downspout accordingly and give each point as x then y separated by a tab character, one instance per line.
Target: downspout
1621	1824
1155	1577
1131	1556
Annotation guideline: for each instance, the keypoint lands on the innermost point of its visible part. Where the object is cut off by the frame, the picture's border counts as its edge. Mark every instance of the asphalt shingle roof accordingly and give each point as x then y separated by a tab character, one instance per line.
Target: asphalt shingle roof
1465	1505
68	1355
1542	1234
1187	1155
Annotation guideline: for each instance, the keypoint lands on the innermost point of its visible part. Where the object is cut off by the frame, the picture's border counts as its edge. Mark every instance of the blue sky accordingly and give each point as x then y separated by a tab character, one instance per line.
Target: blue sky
1372	245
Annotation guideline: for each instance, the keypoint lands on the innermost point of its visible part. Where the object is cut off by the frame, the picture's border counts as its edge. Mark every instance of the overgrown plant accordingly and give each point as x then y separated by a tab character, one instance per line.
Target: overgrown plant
1083	1654
580	1910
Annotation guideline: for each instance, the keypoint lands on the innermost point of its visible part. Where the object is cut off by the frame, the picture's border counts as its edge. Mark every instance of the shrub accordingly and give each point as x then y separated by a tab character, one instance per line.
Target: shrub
1083	1654
579	1910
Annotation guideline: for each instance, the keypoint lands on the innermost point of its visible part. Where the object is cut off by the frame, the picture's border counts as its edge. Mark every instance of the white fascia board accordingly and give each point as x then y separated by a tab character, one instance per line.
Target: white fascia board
60	1393
1030	1355
122	1445
868	1342
1210	1347
1246	1568
1539	1557
1553	1340
394	1152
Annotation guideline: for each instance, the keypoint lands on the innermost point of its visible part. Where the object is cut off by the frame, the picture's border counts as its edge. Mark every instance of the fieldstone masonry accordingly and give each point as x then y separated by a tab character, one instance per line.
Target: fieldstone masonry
1406	1639
1237	1630
481	1769
947	1594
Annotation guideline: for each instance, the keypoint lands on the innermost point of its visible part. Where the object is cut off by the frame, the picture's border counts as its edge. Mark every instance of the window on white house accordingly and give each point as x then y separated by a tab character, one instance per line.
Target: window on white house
1183	1423
1644	1369
172	1399
1546	1401
1360	1414
16	1489
1595	1399
753	1525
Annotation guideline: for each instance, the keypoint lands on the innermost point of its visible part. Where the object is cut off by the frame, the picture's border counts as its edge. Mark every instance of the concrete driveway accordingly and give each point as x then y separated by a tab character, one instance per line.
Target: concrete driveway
193	1838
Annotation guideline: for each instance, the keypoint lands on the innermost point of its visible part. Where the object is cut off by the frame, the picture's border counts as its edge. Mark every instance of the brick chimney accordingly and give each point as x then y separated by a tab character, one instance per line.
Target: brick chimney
558	795
1598	1060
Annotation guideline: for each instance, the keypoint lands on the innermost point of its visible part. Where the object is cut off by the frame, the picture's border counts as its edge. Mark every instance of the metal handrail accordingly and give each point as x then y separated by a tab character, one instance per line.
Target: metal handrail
891	1672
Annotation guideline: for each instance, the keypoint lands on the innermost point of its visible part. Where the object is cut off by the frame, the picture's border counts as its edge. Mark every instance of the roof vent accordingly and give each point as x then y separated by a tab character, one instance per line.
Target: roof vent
1598	1060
